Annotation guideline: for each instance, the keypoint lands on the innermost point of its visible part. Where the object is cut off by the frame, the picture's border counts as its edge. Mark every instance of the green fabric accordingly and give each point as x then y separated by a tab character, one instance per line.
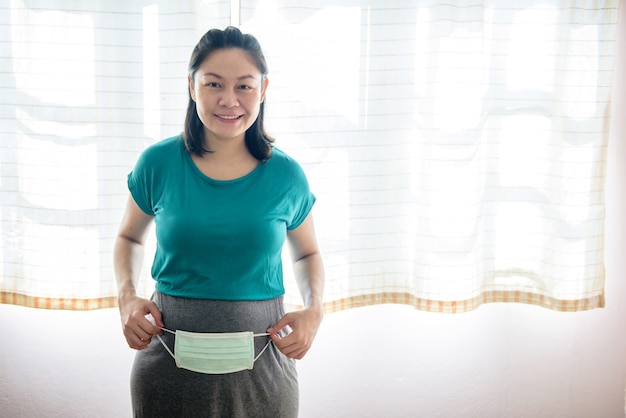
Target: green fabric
219	240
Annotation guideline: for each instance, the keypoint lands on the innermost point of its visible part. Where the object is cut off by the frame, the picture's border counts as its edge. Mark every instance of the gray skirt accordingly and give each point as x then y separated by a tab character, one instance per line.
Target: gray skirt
160	389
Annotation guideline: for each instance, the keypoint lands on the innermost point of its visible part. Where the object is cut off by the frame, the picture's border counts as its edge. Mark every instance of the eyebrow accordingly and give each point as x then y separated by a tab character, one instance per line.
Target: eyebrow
243	77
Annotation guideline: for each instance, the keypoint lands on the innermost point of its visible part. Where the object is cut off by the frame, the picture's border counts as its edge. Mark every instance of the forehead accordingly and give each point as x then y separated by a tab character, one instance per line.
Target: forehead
231	63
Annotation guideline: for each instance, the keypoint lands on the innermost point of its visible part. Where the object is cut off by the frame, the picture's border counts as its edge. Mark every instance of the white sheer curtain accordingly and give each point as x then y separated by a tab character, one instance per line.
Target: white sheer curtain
457	150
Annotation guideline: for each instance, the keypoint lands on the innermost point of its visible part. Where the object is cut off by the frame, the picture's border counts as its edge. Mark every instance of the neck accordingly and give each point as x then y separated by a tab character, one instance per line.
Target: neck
228	159
226	149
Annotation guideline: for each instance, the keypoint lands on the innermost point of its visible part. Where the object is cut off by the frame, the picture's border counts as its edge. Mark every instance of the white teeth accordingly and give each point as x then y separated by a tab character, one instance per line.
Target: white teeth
229	117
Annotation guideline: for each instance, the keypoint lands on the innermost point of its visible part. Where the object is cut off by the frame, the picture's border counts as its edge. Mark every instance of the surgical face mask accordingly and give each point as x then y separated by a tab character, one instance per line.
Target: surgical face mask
214	353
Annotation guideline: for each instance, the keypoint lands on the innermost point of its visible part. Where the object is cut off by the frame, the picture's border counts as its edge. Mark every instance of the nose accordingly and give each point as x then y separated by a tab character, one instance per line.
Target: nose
228	99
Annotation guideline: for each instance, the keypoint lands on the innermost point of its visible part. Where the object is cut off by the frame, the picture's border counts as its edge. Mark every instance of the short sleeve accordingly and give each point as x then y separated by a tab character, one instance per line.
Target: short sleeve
138	192
303	198
140	183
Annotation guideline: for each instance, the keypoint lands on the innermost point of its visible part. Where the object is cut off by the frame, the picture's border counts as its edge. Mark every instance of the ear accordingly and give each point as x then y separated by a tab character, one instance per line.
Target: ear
264	88
192	93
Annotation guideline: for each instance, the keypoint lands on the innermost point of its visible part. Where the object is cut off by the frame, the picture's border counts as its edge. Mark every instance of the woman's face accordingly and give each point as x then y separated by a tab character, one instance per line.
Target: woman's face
228	90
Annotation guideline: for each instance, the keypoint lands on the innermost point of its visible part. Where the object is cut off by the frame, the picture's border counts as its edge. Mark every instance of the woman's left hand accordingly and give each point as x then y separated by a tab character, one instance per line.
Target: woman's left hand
304	325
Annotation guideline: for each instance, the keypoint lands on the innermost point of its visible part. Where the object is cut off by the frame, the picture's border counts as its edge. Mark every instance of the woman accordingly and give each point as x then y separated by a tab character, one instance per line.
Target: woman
223	200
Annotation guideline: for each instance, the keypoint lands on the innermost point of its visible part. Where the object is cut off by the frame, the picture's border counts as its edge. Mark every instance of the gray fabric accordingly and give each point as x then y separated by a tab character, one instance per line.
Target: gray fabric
160	389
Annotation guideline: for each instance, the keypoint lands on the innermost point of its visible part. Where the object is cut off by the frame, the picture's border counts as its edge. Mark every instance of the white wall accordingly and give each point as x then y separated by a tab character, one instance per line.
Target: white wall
502	360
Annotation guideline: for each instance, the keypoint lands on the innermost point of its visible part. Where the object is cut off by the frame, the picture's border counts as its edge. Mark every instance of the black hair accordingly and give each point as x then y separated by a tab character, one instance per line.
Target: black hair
258	142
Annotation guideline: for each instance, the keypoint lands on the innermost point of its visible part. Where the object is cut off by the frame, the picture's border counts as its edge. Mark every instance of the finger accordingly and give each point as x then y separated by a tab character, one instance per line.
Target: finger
137	343
146	341
145	335
297	351
294	352
284	346
290	346
156	315
142	330
277	339
153	328
282	323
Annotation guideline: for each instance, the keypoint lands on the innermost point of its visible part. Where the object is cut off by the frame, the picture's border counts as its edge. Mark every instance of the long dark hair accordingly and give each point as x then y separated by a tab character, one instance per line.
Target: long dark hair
259	143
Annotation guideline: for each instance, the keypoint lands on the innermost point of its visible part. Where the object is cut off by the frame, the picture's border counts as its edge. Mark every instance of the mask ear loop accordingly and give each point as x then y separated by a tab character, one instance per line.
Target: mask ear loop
163	342
150	318
266	345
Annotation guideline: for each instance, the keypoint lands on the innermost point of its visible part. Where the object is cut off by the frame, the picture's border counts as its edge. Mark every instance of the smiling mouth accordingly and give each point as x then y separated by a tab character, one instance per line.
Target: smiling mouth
227	117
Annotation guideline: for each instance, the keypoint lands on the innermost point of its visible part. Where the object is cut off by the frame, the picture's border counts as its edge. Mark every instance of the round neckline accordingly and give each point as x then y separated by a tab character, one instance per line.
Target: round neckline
197	170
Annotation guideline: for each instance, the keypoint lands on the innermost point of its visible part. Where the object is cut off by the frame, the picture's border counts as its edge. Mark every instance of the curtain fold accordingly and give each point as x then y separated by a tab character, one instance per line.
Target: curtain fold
457	151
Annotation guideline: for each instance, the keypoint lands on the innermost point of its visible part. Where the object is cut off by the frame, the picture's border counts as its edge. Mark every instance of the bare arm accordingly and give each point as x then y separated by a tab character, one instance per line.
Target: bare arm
309	273
127	261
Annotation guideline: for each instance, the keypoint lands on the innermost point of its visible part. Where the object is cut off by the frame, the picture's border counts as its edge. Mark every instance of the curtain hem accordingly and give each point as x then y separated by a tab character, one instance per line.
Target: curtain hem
399	298
461	306
10	298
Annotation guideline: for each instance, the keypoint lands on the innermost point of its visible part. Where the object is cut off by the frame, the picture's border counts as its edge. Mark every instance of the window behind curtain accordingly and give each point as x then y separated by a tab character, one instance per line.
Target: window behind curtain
457	150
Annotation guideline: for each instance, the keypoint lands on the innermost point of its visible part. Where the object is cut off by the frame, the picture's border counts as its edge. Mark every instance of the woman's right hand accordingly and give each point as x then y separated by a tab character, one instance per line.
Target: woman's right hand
138	330
127	261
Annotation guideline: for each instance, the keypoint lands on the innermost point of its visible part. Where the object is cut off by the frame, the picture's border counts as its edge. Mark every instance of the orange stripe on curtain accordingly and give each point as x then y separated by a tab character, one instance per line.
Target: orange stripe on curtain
57	303
465	305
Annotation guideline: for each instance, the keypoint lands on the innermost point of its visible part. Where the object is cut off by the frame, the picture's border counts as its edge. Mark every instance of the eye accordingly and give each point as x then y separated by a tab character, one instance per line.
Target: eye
245	87
212	84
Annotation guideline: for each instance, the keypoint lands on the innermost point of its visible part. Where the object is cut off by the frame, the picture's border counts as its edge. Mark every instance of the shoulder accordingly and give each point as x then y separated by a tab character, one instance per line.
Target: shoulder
164	148
161	152
286	170
153	172
283	161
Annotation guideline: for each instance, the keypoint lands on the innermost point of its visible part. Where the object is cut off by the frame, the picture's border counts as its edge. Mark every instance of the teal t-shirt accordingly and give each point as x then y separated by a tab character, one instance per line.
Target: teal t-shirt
216	239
